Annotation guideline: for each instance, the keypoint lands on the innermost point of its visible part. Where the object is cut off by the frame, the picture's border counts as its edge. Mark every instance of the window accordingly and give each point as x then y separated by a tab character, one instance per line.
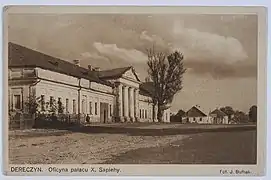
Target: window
146	115
60	107
17	73
67	105
96	108
194	119
42	102
139	113
90	108
17	101
110	109
200	119
83	106
74	106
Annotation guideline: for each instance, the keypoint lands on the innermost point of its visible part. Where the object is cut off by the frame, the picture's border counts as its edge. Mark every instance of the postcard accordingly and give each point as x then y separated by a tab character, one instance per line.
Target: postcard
130	91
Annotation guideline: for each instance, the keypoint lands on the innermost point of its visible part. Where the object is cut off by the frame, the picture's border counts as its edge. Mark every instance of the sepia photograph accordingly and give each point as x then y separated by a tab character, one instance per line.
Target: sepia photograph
134	88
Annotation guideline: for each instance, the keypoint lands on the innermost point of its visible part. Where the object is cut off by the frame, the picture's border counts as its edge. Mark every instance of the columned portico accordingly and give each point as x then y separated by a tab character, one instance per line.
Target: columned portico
128	103
128	85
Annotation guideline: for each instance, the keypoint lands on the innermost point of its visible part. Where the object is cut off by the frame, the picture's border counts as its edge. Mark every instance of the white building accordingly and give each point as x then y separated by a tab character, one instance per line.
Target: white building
195	115
115	95
218	117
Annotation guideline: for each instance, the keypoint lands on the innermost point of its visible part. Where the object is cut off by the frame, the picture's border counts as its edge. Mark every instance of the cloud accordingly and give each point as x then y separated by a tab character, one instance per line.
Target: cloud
112	50
222	71
94	56
204	46
125	38
211	53
154	40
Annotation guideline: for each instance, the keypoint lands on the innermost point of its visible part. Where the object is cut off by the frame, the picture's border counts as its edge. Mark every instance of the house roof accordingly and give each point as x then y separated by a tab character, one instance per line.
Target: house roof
115	73
180	113
218	112
195	112
20	56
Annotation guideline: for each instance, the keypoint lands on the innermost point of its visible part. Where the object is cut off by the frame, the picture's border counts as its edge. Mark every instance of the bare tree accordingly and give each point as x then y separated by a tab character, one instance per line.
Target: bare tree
166	73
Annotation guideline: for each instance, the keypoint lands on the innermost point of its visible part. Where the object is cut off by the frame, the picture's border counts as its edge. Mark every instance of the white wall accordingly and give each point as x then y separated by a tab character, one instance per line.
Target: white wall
54	76
66	87
145	104
199	120
57	90
224	120
64	92
166	115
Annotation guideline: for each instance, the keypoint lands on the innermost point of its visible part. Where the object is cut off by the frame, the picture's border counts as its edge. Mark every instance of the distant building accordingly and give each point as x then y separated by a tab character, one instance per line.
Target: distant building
195	115
115	95
218	117
179	117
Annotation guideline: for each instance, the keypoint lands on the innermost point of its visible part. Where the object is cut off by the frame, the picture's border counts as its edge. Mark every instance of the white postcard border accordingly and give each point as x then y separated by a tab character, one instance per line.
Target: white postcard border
168	170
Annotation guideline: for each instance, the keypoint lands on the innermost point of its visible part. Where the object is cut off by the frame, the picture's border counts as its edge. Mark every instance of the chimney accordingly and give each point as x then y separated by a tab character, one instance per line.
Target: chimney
90	67
97	69
76	62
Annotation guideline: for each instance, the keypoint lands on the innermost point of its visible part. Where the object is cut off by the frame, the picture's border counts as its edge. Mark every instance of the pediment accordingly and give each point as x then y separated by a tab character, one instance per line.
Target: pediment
130	74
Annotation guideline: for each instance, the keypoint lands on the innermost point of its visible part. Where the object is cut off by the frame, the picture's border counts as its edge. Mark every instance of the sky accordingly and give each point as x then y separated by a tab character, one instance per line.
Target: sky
220	51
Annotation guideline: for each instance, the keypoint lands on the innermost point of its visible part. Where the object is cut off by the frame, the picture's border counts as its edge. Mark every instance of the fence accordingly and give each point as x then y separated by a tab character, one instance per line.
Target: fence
21	121
18	120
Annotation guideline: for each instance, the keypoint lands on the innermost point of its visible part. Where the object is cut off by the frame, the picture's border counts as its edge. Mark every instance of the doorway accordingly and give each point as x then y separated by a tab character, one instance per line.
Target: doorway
103	112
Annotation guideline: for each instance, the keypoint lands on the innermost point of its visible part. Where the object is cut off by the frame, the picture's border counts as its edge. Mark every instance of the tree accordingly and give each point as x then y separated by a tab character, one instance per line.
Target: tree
166	73
60	107
240	117
51	106
228	110
32	104
253	113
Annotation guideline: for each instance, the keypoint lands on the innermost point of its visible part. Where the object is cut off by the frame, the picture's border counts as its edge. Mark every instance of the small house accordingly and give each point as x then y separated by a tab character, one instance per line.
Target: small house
218	117
179	117
195	115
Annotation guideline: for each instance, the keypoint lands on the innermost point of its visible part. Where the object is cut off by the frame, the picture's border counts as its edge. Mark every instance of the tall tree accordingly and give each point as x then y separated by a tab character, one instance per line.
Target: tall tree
253	113
166	73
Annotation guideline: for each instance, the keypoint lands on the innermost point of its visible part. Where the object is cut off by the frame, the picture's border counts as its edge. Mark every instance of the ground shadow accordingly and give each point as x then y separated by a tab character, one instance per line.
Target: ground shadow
135	130
153	132
210	148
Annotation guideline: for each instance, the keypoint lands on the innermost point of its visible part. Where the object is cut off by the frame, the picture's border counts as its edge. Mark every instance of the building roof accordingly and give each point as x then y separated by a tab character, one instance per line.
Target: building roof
218	113
180	113
146	88
20	56
116	73
195	112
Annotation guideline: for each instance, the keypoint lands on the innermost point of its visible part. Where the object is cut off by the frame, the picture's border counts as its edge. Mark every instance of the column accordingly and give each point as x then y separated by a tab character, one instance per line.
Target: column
126	105
155	113
120	101
136	105
131	104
